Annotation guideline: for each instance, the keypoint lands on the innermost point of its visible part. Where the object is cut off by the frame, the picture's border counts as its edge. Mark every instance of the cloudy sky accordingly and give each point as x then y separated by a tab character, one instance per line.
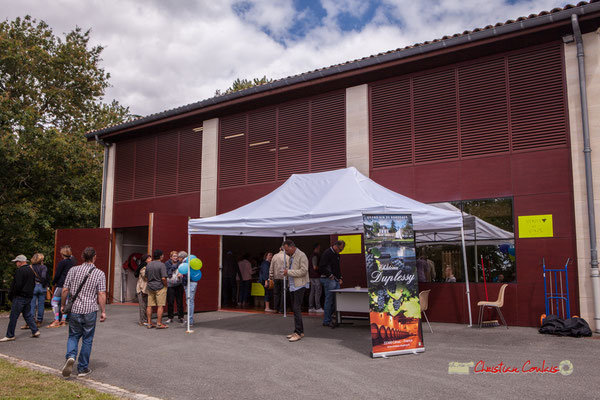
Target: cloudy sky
163	54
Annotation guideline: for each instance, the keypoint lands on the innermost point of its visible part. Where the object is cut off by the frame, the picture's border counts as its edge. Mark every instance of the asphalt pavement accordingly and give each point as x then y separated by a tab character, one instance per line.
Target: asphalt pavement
246	356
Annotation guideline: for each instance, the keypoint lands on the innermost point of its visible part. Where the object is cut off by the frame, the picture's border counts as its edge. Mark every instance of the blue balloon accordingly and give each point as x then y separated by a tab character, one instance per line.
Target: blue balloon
511	250
196	275
183	268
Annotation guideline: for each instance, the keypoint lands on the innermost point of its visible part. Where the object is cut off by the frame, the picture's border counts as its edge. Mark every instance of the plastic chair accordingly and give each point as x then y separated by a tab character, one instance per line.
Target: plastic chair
493	304
424	301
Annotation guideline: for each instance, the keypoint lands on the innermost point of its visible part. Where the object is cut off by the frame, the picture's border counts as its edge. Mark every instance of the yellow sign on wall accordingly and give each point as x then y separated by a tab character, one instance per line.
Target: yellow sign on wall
535	226
353	244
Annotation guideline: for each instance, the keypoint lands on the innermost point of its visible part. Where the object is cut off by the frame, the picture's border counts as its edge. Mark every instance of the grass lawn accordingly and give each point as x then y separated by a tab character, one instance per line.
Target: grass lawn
23	383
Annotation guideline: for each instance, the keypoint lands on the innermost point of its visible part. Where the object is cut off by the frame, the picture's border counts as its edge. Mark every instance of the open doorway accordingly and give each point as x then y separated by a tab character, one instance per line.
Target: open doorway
254	248
129	243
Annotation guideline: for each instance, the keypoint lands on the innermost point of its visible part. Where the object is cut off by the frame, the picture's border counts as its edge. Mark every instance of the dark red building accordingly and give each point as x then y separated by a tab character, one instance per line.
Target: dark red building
487	119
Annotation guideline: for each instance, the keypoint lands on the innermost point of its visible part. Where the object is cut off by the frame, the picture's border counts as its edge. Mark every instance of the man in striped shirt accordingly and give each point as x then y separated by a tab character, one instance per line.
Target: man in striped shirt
82	319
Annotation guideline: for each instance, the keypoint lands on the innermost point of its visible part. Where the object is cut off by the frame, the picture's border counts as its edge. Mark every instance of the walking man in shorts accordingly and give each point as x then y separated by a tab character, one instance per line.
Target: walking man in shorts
156	272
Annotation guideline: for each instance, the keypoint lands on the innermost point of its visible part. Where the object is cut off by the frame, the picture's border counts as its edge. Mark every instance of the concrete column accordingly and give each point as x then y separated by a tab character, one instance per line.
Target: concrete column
357	128
110	186
591	42
208	183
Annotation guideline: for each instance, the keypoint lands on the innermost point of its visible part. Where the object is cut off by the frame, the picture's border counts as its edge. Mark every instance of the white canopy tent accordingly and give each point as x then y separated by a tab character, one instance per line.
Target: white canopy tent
326	203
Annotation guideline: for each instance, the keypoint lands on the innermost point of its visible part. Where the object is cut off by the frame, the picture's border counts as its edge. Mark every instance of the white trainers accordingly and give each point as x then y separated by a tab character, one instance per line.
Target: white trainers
7	339
168	321
68	367
312	310
319	310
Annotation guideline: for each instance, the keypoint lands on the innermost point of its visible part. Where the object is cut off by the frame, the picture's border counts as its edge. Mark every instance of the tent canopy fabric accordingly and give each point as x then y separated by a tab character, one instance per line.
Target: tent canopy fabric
321	204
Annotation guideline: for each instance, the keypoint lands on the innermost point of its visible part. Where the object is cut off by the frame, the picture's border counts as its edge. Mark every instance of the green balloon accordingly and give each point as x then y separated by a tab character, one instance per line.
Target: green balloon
196	263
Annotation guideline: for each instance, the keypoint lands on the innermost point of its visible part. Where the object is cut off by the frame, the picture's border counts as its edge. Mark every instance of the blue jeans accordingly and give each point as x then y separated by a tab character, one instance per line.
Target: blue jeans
39	297
328	286
81	326
190	298
20	305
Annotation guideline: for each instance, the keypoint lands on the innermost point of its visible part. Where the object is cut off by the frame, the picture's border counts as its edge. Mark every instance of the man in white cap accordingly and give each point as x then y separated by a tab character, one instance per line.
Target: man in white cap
21	293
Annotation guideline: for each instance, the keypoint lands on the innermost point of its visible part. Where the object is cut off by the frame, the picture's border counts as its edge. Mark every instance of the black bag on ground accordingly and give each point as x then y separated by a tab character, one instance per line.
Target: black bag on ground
575	326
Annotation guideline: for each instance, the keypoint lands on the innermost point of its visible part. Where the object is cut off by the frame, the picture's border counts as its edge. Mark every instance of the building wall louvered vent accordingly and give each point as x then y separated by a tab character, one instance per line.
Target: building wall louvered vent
261	137
190	161
328	133
124	166
161	164
166	163
435	116
483	108
232	150
509	103
270	144
145	161
293	140
391	118
537	103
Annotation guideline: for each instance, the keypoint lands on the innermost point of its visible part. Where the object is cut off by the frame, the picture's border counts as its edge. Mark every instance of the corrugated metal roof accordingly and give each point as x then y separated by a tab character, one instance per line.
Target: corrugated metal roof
521	23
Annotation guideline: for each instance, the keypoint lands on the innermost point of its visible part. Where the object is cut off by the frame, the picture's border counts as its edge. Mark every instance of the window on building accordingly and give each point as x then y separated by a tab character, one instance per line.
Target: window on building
489	234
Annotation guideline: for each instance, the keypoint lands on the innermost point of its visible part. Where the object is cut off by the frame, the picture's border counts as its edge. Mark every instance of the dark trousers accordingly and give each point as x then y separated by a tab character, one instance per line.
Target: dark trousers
20	305
297	300
278	295
244	291
174	294
229	291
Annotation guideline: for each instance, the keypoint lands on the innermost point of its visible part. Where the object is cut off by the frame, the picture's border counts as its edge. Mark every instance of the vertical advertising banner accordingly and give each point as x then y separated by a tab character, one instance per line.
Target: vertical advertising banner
394	308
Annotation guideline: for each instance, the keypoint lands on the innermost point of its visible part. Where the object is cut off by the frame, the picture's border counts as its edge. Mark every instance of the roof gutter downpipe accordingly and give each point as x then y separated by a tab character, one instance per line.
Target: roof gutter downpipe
104	175
587	150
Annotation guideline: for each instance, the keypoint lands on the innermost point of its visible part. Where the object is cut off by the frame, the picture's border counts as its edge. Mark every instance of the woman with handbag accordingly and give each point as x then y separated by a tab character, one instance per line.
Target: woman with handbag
263	277
60	274
40	272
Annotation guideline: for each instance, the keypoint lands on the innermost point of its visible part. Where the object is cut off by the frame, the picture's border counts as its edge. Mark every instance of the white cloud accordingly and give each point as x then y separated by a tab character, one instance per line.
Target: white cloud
164	54
355	8
275	15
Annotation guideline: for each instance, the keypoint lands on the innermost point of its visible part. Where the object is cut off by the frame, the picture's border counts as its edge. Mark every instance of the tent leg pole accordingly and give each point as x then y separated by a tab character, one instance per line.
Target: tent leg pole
189	277
475	251
284	282
220	272
464	251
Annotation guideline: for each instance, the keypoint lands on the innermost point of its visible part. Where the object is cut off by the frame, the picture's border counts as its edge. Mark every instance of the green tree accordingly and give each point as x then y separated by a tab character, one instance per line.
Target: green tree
376	227
241	84
51	92
393	228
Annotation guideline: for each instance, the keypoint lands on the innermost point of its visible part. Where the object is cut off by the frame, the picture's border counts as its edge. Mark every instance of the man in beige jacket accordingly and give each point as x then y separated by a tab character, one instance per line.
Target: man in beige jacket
297	271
